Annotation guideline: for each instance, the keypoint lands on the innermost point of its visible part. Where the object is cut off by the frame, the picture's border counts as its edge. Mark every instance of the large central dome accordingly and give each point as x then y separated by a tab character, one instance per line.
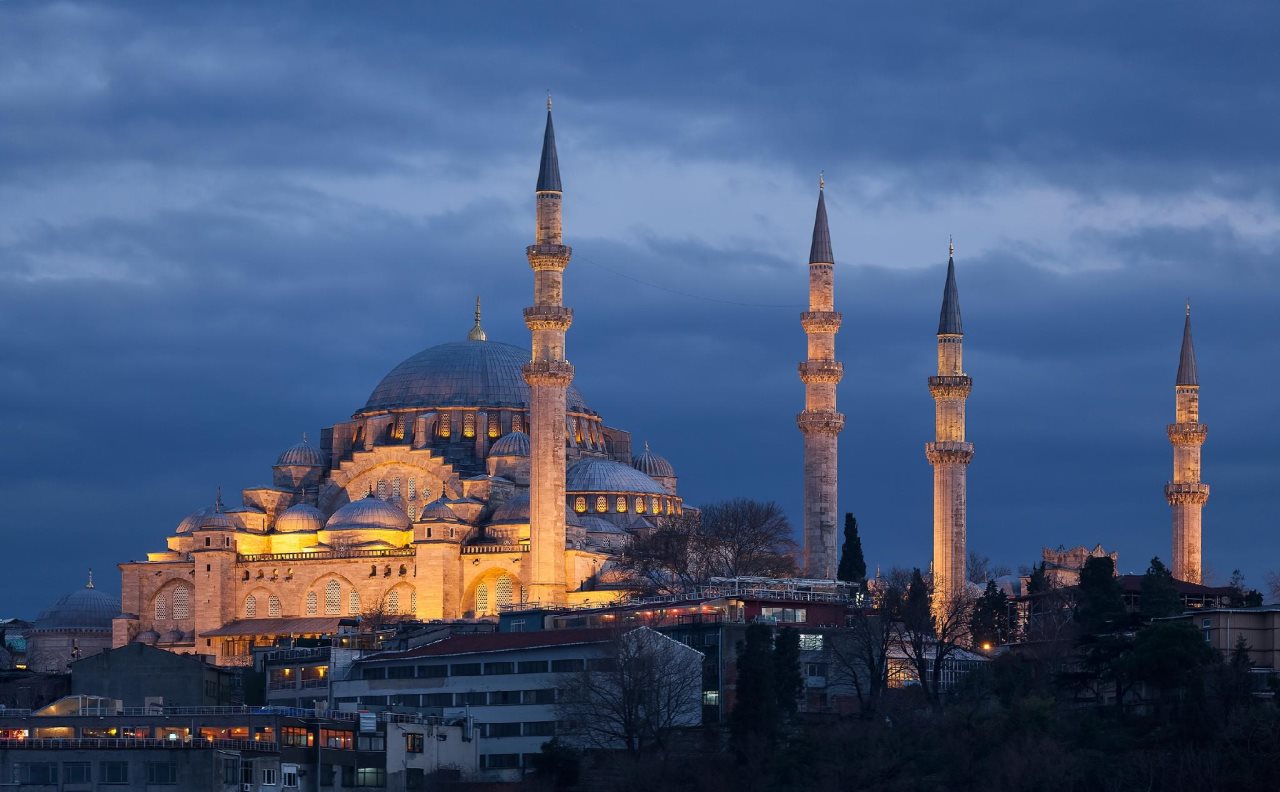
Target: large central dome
460	374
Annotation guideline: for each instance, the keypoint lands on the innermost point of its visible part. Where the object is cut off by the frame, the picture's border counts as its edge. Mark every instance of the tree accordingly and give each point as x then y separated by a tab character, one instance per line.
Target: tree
853	566
728	539
647	685
788	684
1099	603
990	623
1242	597
928	629
981	569
1160	596
859	655
753	723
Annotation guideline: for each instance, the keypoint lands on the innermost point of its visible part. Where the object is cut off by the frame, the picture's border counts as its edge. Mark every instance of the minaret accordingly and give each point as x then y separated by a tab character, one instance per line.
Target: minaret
820	423
548	375
950	453
1186	493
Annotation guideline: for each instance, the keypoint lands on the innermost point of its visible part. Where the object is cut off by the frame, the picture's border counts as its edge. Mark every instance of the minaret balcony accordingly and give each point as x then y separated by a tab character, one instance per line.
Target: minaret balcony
549	257
949	452
820	422
1187	492
548	317
821	321
828	371
951	387
1187	433
556	373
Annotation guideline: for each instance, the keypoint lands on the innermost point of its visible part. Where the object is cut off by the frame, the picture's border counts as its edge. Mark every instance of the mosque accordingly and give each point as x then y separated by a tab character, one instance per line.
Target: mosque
474	477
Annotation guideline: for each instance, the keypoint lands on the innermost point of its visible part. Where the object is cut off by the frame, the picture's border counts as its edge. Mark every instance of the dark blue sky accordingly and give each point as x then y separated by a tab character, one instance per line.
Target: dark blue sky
219	227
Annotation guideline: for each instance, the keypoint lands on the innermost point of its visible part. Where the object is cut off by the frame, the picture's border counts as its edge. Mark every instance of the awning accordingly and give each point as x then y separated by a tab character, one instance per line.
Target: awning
309	625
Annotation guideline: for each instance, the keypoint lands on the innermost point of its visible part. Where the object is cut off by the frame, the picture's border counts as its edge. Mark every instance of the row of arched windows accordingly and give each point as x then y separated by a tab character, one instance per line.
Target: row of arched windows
332	603
501	596
641	505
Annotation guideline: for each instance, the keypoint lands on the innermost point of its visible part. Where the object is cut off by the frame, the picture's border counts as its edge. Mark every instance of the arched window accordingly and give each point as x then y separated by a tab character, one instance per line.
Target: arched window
494	429
468	424
413	488
395	487
639	505
313	603
353	603
393	602
250	607
502	591
622	504
332	598
482	599
602	505
517	422
445	427
382	489
162	607
657	506
580	504
182	602
273	606
413	602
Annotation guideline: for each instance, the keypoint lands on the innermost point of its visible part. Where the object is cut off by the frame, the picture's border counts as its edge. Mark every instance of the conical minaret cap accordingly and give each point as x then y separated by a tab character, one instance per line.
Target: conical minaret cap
1187	374
820	250
949	321
549	170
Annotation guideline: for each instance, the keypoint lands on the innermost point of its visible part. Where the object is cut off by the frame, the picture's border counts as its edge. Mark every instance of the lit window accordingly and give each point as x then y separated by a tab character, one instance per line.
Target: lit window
656	506
162	607
711	698
639	505
468	424
182	602
482	599
601	504
502	591
250	607
580	504
810	642
332	598
393	602
494	429
622	504
313	606
353	603
444	428
273	606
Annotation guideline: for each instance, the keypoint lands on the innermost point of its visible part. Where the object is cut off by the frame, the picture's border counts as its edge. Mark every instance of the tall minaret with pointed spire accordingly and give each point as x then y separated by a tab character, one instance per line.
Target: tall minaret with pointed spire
1187	493
548	374
950	453
820	423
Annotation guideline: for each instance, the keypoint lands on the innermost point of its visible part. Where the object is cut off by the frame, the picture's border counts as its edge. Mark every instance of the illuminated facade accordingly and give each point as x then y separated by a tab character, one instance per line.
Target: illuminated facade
820	423
1186	493
472	478
949	453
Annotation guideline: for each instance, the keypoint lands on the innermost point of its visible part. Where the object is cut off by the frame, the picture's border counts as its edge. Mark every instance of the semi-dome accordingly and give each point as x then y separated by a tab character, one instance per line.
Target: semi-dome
83	610
652	465
368	513
218	521
511	444
192	520
471	373
514	509
301	455
300	517
604	475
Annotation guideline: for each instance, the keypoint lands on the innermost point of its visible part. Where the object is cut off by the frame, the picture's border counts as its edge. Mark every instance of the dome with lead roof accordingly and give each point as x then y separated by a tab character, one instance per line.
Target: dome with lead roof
605	475
652	465
511	444
301	455
300	517
368	513
83	610
473	373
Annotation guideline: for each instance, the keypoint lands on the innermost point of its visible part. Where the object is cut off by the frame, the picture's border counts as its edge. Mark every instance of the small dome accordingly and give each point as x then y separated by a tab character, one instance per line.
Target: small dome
171	637
605	475
300	517
192	520
595	524
368	513
438	511
513	510
149	637
301	455
652	465
511	444
83	610
218	521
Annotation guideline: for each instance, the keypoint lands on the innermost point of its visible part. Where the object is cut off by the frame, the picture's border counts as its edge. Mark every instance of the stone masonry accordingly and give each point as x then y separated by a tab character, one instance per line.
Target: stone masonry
1186	493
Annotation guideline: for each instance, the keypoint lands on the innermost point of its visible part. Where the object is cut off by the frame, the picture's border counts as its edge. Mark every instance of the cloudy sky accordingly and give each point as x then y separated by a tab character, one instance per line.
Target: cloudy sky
219	227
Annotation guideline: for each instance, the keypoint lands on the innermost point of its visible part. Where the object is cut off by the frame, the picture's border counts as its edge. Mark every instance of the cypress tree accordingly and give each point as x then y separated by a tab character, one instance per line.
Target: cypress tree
853	566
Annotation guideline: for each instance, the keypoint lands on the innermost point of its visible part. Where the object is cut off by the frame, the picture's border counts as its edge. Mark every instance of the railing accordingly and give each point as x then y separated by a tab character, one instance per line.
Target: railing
749	588
126	743
405	552
478	549
315	683
309	653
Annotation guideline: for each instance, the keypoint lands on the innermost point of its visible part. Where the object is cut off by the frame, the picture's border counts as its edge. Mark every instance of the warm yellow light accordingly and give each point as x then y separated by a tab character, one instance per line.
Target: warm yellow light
986	646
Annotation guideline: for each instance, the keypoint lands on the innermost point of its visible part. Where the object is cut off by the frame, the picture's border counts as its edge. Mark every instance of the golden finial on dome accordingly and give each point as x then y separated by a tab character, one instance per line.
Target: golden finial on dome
90	583
822	181
951	246
1188	306
477	333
